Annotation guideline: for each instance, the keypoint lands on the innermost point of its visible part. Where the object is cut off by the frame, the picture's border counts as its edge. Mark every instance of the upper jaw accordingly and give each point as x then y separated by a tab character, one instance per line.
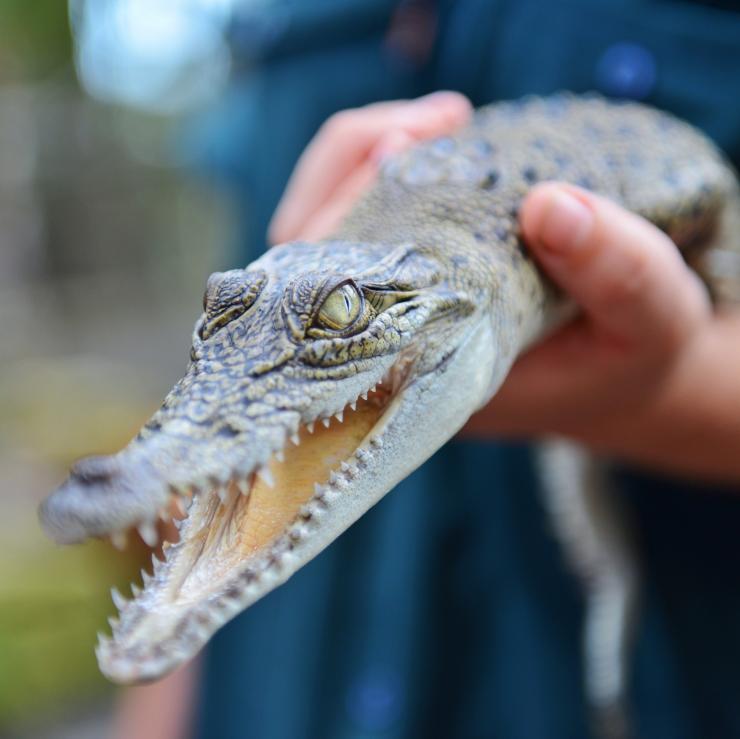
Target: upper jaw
144	482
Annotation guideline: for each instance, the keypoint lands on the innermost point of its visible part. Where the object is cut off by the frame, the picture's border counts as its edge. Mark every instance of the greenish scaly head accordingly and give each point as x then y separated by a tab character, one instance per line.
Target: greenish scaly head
313	388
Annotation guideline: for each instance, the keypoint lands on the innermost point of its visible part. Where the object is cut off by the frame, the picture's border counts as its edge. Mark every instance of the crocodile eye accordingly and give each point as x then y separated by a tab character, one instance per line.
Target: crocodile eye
341	307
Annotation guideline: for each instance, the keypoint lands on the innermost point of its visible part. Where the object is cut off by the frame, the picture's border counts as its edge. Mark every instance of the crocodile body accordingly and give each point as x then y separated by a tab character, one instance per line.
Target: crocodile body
323	374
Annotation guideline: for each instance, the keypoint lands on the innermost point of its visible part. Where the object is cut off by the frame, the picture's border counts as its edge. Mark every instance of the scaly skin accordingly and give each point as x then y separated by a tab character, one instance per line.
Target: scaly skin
445	298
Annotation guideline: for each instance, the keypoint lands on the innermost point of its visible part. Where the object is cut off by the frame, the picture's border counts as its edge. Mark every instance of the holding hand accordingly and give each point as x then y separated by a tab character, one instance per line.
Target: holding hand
342	160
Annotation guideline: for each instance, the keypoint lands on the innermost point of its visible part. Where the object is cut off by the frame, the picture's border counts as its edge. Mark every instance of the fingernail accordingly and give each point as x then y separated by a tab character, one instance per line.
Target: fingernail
450	103
441	96
565	223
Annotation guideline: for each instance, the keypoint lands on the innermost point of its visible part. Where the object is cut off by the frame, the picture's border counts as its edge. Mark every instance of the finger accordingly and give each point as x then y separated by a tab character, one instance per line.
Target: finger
328	217
346	140
628	277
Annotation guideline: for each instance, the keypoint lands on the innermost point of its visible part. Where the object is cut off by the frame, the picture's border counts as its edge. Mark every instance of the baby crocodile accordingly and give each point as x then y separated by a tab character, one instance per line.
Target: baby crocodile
323	373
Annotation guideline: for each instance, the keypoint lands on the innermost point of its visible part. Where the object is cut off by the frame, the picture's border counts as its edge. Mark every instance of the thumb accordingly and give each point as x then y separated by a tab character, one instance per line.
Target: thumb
627	275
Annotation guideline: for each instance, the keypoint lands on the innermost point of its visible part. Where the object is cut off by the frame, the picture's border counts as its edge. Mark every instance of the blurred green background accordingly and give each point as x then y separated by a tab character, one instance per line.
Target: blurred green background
105	243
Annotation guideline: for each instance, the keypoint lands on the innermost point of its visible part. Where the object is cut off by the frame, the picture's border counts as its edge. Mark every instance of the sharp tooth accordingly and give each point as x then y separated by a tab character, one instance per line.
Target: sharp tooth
296	439
339	416
146	578
266	475
279	455
223	494
148	533
113	622
156	564
118	600
118	539
344	467
364	395
326	421
372	389
333	477
318	489
164	514
229	605
353	405
244	487
310	426
289	560
135	590
217	617
301	531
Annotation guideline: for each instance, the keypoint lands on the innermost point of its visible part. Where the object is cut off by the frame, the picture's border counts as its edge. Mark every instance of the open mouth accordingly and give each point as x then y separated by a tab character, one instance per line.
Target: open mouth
239	540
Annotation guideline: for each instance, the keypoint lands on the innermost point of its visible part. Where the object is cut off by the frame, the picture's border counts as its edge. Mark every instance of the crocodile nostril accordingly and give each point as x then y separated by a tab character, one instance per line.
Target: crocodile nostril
94	471
227	432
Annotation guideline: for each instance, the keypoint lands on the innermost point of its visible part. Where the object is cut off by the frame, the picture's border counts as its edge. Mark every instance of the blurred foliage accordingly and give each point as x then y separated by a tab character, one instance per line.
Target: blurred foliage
52	600
104	251
50	610
35	38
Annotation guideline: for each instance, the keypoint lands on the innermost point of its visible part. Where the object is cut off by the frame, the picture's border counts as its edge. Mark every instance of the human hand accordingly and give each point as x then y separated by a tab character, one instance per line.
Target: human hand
641	310
648	372
342	160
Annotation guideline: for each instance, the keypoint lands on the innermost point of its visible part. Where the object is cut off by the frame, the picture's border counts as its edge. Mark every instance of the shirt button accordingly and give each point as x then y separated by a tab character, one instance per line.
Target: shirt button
626	70
374	700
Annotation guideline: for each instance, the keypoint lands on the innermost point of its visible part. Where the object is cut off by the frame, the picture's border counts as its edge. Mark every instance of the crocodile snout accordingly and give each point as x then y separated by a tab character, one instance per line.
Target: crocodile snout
102	495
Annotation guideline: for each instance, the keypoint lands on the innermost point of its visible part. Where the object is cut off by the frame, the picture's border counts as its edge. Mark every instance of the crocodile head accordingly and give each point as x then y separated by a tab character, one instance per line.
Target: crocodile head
313	388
